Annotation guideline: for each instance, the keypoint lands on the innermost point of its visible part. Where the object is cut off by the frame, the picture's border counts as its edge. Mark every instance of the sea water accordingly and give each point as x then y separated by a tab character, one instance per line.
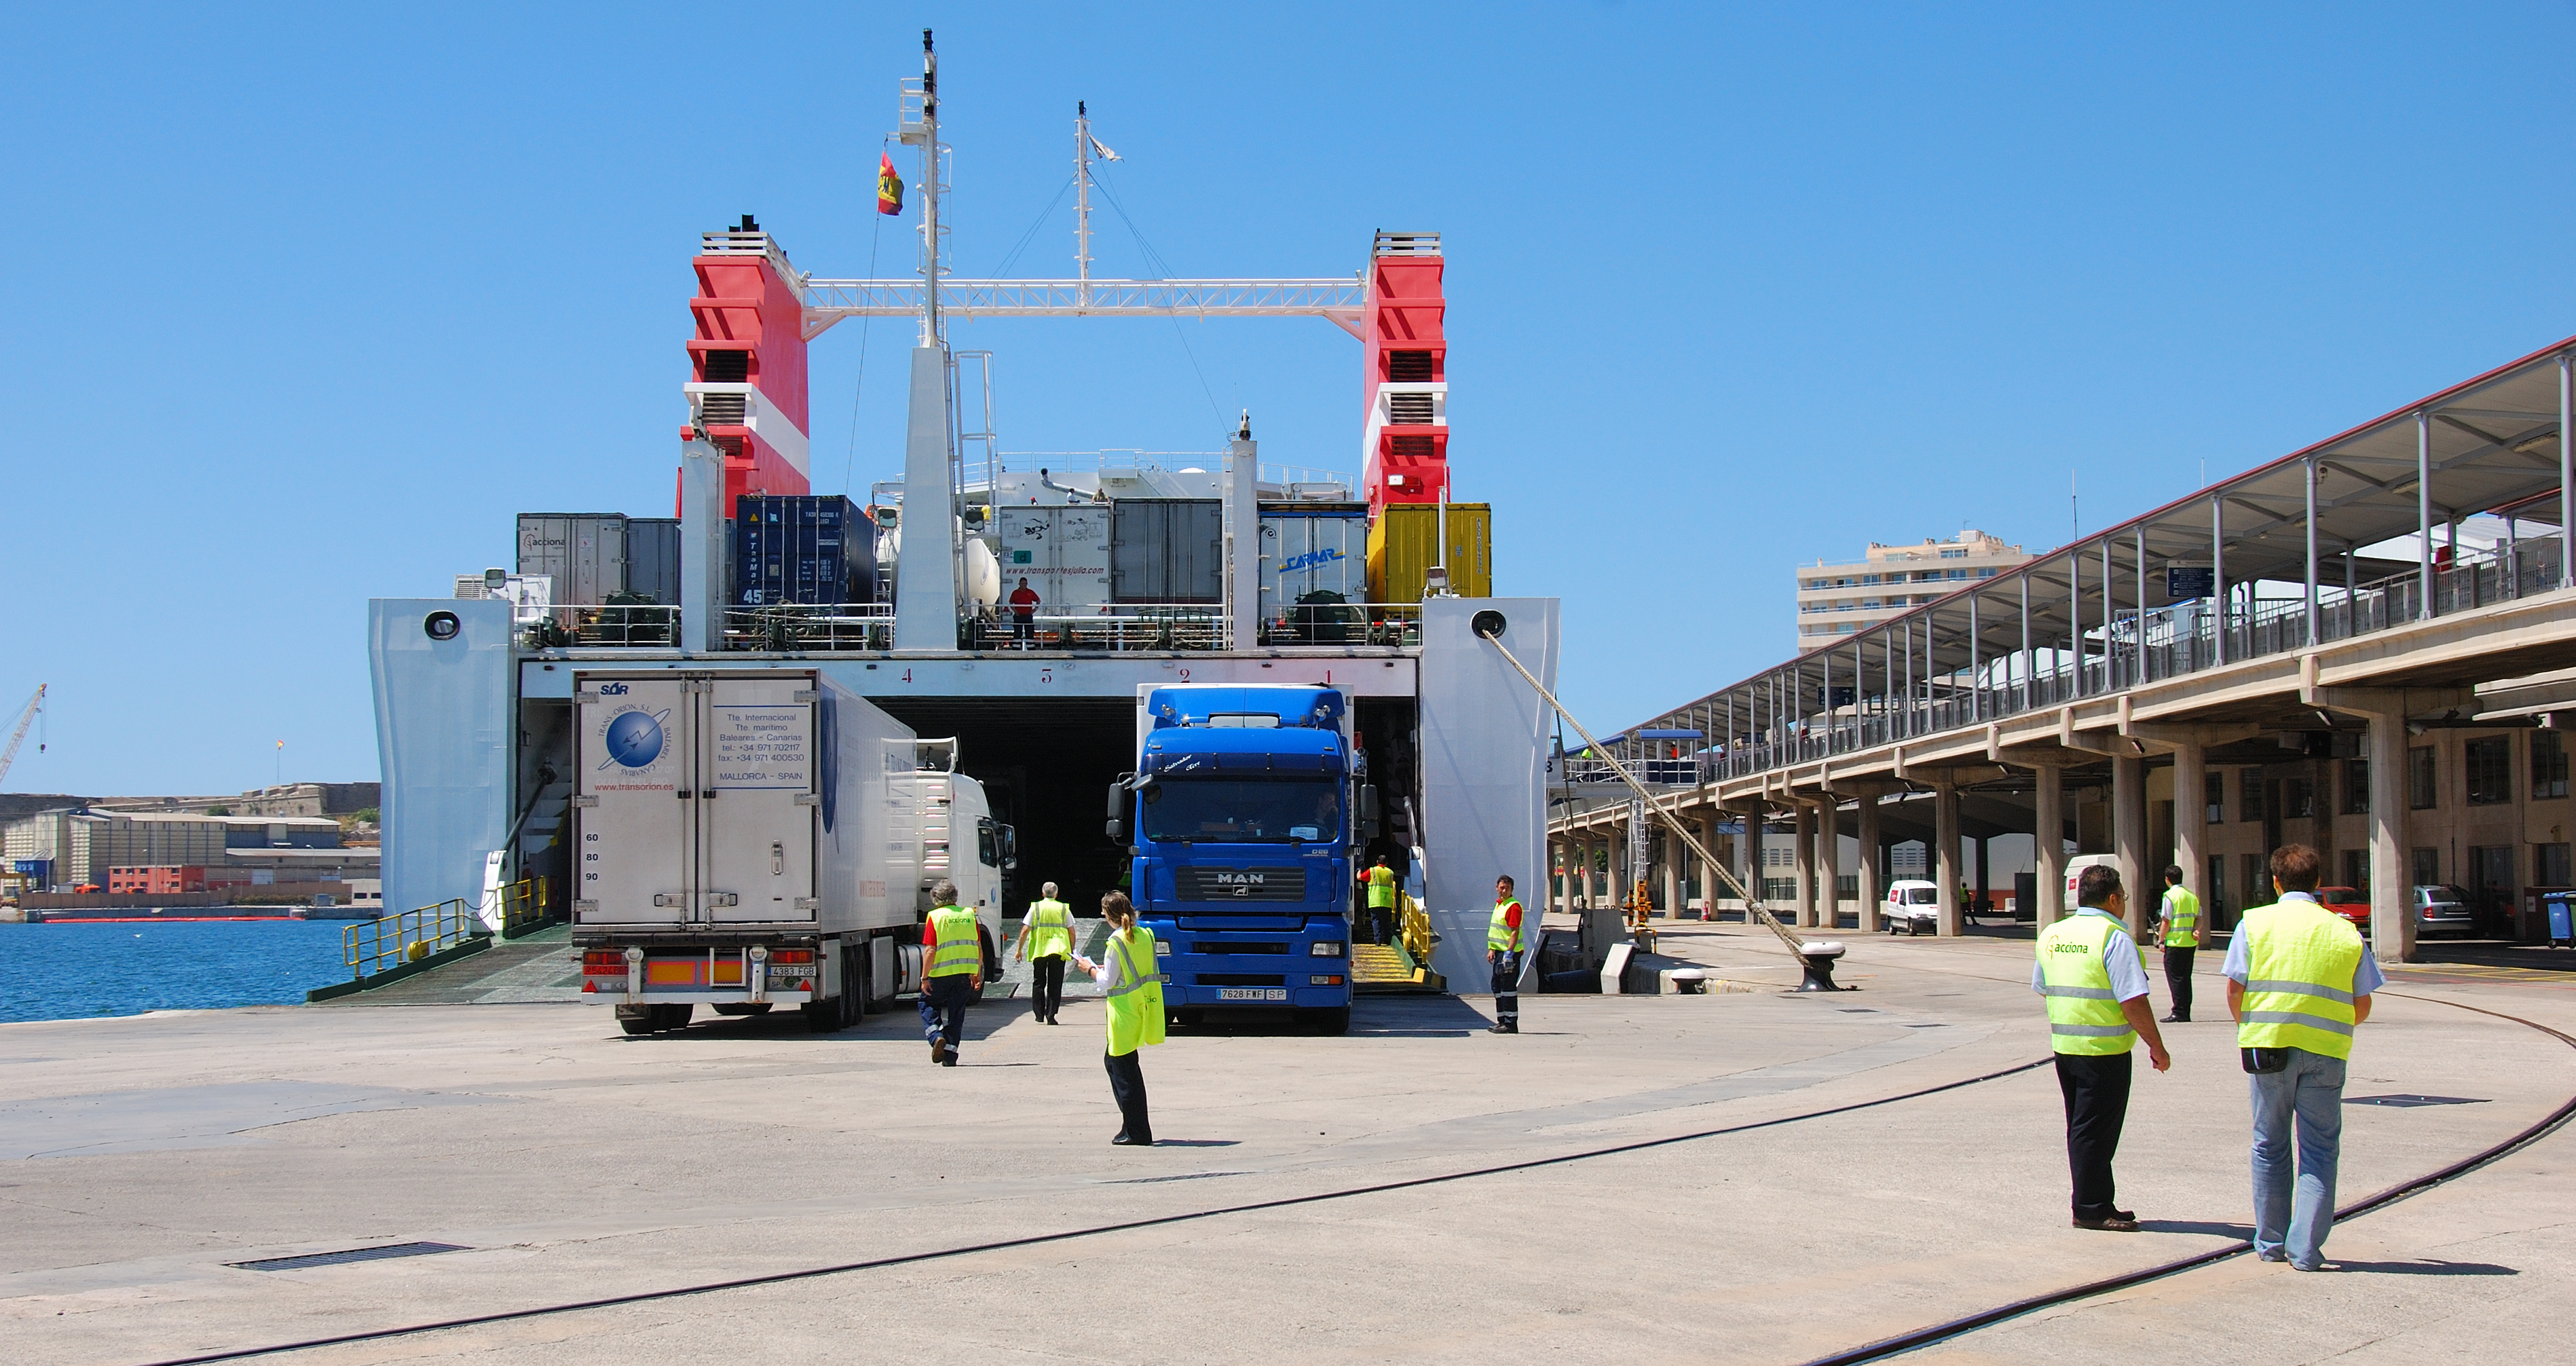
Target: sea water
64	971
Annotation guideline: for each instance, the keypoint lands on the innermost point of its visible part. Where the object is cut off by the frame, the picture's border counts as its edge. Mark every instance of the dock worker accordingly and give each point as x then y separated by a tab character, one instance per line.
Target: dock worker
2298	982
1503	951
952	971
2094	978
1131	982
2180	915
1024	608
1046	940
1381	902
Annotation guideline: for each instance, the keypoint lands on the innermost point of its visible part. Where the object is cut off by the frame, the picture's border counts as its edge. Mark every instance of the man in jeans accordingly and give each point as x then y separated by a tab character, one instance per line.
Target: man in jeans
2299	981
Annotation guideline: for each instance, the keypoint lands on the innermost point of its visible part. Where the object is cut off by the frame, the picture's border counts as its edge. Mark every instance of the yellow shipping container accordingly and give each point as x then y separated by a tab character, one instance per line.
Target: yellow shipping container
1400	550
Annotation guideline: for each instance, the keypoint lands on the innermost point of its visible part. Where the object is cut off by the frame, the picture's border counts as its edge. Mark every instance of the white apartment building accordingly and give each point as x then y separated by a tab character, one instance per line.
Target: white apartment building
1839	599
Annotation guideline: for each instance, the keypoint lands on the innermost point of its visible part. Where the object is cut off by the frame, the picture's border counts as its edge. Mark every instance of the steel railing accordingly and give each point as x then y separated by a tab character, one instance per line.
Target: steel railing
409	936
524	907
639	625
2138	648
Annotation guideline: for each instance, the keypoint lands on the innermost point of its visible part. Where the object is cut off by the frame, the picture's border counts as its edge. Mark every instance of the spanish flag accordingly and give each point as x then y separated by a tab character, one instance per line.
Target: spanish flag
889	186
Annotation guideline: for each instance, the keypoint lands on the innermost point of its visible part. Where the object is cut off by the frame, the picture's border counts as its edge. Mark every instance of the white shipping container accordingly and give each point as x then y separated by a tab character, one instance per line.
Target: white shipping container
1062	551
1305	551
768	798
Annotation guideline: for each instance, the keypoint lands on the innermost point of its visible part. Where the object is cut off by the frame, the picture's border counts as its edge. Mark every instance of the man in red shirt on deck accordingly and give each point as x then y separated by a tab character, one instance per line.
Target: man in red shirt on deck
1024	608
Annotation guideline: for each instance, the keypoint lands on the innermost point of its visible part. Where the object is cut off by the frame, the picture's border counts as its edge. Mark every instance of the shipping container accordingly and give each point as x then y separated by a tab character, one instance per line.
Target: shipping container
803	549
583	552
1312	549
1400	550
1062	551
653	559
1166	550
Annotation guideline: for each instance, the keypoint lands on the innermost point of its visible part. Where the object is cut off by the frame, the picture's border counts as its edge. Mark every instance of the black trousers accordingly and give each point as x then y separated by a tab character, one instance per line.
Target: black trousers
1046	986
1507	987
943	1008
2096	1088
2178	979
1127	1087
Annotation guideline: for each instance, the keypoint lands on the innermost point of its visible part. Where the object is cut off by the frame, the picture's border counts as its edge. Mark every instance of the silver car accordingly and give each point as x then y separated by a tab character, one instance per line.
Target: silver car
2444	909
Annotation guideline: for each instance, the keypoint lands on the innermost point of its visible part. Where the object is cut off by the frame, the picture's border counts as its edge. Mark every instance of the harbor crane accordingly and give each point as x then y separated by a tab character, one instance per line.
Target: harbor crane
26	718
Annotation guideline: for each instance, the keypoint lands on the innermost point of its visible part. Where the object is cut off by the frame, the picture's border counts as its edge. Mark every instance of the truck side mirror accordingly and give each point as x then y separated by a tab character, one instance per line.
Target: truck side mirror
1368	812
1010	848
1118	811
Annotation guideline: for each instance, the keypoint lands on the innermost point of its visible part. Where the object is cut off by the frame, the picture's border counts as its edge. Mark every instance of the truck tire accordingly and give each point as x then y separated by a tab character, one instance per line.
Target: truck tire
854	989
1333	1022
822	1017
672	1017
636	1025
745	1007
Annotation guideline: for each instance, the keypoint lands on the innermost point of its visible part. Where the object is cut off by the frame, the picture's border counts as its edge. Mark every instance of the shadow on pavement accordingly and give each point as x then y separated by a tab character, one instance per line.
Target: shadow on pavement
2244	1232
2428	1268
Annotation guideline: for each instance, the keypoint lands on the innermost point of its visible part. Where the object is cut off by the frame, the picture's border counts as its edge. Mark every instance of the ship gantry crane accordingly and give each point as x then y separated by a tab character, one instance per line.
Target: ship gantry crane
26	718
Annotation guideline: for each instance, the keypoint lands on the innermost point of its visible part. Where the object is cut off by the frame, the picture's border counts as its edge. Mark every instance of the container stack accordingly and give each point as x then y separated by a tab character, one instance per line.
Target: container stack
815	549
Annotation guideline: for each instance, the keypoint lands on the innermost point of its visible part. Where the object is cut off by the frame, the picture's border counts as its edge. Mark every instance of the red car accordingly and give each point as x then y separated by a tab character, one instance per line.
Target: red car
2350	903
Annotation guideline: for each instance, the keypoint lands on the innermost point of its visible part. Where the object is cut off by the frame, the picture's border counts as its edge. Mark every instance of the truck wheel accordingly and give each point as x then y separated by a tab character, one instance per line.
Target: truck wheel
745	1007
636	1025
672	1017
822	1017
1330	1023
854	989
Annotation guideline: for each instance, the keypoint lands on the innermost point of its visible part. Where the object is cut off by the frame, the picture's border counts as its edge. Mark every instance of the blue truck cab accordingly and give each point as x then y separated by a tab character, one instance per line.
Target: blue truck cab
1242	817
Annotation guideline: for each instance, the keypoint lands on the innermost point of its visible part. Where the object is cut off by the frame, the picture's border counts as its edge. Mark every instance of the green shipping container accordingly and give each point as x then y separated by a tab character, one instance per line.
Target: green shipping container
1401	550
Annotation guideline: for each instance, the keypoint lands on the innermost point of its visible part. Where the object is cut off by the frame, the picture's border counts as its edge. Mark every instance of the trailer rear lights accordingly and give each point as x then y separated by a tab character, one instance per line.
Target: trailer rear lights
777	956
1323	981
608	964
1328	948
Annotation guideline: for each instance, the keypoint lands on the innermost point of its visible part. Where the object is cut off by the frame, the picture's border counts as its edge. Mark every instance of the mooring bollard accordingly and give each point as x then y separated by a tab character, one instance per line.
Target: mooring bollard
1819	956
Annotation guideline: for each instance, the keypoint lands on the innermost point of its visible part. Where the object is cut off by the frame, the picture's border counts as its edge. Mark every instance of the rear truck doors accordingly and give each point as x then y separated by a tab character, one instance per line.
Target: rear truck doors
757	803
696	801
633	805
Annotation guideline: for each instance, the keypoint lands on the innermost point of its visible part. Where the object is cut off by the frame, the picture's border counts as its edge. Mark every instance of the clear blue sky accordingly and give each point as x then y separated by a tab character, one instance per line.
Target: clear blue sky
305	303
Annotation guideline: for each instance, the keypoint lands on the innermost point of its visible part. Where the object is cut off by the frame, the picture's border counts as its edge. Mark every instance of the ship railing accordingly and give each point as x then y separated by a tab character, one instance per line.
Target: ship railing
525	908
409	936
1344	623
804	626
1117	627
619	624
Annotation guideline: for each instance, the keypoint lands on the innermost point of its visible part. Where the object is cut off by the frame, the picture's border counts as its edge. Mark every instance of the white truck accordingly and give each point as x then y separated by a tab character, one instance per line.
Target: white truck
750	839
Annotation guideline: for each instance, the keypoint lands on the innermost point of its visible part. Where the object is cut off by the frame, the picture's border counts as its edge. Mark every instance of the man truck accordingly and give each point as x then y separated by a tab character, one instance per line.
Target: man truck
1244	809
757	839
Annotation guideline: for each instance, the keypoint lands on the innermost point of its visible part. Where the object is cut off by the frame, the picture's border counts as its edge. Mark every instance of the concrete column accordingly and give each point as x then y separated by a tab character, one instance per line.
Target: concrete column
2191	824
1983	863
2392	910
1710	886
1871	893
1829	840
2048	842
1945	854
1674	853
1748	854
1806	862
2129	836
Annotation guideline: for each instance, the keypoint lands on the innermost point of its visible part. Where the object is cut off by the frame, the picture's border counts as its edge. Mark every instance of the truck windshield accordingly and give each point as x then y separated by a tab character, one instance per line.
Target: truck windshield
1242	811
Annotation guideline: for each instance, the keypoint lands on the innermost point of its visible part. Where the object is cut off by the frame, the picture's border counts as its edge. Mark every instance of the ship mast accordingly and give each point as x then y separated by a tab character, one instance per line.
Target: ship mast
1081	205
925	133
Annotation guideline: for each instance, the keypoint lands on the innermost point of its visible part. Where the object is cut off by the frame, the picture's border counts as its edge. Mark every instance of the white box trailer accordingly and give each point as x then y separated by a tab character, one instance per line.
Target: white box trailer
743	840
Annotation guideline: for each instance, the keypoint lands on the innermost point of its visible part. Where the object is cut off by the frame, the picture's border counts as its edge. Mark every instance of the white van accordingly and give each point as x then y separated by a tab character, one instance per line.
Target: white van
1912	906
2075	866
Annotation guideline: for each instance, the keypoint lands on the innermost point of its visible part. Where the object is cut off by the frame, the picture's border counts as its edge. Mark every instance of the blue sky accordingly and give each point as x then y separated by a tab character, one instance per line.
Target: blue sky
307	302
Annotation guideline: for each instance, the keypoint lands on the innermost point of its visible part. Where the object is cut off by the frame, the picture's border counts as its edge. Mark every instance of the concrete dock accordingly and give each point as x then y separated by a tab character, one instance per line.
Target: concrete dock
1417	1190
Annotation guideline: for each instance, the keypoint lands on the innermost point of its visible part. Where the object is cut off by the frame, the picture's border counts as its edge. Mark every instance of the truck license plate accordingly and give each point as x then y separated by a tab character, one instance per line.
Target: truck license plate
1252	993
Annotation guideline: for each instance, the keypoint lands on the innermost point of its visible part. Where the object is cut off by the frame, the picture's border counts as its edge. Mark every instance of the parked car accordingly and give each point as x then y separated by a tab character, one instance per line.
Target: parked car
2350	903
2444	909
1912	906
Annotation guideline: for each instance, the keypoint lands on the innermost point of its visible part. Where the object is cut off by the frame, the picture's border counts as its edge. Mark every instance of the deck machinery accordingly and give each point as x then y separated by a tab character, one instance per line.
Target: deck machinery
475	703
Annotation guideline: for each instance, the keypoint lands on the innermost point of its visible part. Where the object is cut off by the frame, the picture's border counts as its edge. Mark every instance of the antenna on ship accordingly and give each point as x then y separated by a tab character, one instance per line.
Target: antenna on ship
924	133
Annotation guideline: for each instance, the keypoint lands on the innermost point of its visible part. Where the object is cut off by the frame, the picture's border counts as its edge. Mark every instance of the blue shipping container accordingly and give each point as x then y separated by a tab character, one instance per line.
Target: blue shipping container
811	549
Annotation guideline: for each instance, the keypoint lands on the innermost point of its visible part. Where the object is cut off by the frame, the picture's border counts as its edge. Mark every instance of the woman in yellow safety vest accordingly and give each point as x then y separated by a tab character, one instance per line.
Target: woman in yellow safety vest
1131	983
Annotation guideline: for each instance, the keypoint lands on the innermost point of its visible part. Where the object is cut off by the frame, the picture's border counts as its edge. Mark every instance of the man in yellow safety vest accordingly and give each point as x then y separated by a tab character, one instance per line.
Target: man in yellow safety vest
2299	981
2094	978
952	971
1046	941
1503	951
2180	916
1381	902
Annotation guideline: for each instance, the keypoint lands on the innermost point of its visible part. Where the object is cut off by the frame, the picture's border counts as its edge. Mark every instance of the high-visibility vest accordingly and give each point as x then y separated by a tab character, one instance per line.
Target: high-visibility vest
958	950
2299	964
1381	887
1050	929
1501	934
2182	917
1136	1002
2083	1015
